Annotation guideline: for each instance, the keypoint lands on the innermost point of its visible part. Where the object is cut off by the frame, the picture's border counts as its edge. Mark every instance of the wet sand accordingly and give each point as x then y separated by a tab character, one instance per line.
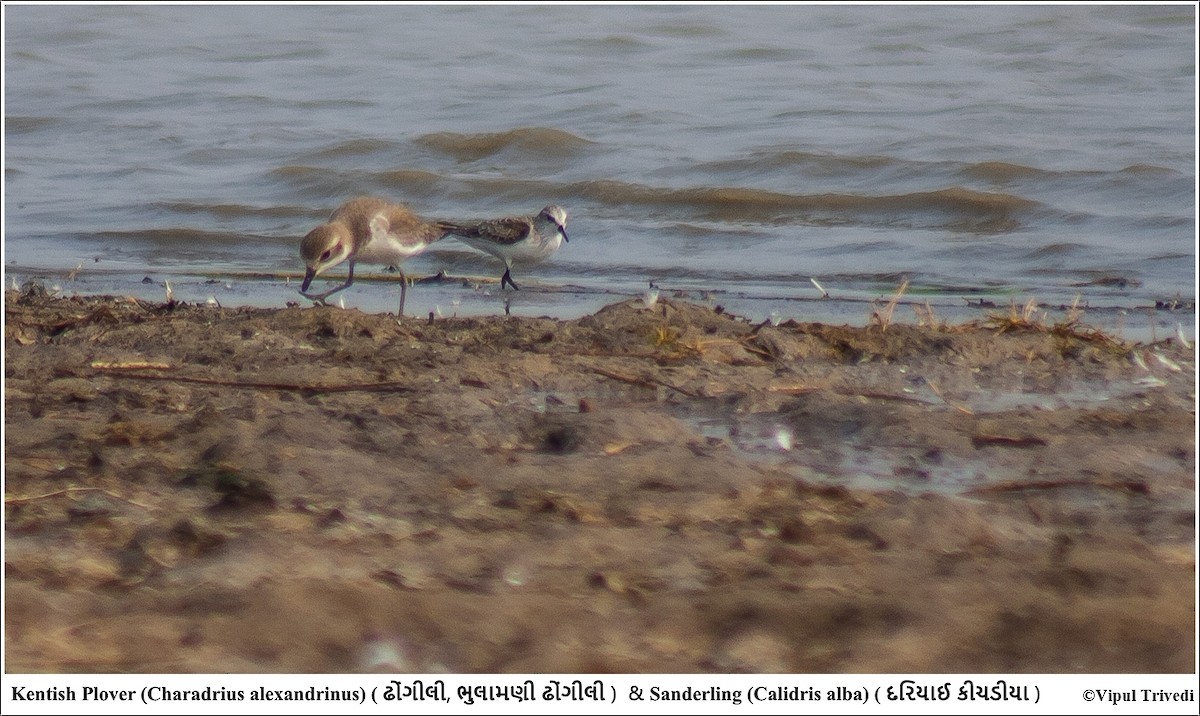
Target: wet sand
645	489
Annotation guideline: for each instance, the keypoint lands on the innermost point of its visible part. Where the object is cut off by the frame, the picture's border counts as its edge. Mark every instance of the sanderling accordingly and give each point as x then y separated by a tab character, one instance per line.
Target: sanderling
514	238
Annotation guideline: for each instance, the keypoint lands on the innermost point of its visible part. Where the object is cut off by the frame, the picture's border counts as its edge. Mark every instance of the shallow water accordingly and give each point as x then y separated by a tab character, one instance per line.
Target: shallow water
770	438
1003	153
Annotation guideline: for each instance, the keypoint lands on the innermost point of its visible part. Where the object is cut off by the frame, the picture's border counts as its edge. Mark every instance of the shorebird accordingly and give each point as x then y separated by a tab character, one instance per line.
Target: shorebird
514	238
365	229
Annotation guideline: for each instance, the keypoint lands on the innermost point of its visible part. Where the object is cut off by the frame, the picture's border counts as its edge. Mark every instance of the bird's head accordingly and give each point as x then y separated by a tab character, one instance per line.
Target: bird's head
325	246
557	216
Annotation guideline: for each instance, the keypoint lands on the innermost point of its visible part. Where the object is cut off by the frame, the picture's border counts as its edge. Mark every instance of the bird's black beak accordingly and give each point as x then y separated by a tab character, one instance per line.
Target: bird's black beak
563	230
308	277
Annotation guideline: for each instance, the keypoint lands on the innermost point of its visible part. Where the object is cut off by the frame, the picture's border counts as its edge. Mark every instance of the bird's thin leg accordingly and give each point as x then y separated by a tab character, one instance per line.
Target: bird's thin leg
403	291
507	278
320	297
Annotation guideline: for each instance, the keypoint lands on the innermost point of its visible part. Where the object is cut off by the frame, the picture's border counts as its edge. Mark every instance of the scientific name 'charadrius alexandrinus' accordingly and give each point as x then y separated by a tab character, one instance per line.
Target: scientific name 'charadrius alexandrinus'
514	238
365	229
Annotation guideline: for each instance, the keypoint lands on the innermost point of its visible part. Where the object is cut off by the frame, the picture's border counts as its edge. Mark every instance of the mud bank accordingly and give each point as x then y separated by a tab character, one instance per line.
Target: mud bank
664	489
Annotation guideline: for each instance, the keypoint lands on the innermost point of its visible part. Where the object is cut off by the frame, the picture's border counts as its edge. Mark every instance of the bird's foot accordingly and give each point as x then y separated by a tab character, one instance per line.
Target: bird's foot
318	299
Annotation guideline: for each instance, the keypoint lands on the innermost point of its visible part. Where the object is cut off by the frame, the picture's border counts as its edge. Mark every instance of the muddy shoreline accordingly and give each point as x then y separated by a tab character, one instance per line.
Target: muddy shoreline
665	489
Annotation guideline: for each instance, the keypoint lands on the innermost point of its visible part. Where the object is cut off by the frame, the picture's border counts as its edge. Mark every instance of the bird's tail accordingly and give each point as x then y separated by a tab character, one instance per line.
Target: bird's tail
457	228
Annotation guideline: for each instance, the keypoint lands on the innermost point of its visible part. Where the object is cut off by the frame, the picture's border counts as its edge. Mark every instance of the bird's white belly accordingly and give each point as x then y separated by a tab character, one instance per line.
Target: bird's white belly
523	251
388	252
536	251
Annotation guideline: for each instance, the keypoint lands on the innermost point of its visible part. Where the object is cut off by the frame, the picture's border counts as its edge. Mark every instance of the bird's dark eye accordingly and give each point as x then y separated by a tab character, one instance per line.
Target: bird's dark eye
325	256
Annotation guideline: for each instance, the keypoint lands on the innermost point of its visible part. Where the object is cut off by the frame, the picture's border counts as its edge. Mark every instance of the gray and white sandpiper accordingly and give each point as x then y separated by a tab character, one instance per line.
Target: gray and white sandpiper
365	229
514	238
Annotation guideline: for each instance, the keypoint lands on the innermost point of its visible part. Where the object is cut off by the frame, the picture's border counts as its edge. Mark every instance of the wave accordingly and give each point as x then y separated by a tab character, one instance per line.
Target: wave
412	182
301	52
737	203
993	172
258	102
318	183
878	167
333	186
351	148
19	124
813	162
235	211
544	141
1057	250
183	237
1150	170
1100	279
955	207
612	43
1003	172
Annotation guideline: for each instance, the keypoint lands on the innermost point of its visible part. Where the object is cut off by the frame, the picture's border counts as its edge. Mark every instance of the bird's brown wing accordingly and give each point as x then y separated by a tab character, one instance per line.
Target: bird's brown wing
358	209
501	231
401	222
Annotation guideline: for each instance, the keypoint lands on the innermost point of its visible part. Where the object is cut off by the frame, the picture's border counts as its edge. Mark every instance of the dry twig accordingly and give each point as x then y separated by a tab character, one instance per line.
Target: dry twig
938	393
884	318
388	386
644	382
71	491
